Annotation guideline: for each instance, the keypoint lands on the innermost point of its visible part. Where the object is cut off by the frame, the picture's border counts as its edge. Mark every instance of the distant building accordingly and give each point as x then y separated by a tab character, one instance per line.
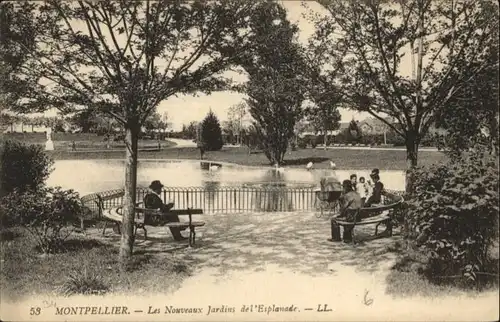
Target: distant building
309	129
374	126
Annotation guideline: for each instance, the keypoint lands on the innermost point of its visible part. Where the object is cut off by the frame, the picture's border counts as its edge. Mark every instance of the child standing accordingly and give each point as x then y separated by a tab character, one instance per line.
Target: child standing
362	188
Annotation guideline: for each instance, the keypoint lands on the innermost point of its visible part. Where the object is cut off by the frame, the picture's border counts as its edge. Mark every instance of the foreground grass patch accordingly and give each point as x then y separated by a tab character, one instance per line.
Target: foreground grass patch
408	278
85	267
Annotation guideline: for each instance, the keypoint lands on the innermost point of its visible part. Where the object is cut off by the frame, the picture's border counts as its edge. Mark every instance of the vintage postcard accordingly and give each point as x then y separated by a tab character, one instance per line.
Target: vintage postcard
249	160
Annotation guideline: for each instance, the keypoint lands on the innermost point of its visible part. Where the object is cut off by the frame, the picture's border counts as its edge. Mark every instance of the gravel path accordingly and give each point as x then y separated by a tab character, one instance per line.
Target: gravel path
285	259
181	143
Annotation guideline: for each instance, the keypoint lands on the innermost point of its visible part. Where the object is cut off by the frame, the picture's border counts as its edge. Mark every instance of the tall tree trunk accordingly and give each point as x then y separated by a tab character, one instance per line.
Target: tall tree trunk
412	139
411	158
325	137
127	240
493	138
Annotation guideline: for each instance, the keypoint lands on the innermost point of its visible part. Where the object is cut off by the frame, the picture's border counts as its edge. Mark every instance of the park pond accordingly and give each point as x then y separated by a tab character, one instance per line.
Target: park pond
89	176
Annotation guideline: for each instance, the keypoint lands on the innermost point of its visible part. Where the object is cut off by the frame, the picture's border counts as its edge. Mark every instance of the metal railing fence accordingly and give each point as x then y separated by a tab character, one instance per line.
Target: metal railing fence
219	199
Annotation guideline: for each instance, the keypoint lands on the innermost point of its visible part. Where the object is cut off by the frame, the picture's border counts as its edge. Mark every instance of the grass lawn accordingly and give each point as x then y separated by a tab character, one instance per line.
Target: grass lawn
83	141
24	272
344	158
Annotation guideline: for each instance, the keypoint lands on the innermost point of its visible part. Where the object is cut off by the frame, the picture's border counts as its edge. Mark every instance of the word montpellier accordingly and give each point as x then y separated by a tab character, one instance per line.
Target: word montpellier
91	310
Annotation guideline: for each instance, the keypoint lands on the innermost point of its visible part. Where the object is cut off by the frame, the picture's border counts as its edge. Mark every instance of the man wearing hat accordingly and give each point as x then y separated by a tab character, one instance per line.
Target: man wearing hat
152	200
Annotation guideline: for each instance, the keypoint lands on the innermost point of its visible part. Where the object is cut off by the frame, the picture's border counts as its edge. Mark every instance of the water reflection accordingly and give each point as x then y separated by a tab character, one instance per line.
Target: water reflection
211	188
274	196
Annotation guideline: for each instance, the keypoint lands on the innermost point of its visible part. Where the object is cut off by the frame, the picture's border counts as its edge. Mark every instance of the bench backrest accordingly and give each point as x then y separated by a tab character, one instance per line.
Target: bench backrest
371	211
149	214
112	196
101	199
368	212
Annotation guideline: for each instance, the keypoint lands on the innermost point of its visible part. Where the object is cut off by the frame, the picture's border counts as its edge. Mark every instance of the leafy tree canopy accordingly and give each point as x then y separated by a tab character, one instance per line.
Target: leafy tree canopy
445	43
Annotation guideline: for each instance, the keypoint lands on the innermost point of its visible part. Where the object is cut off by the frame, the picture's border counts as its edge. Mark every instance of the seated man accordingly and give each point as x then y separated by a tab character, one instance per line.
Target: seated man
152	200
350	204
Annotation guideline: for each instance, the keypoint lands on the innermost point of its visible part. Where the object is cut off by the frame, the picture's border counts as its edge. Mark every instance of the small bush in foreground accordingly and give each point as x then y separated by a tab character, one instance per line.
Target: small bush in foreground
452	217
83	282
44	214
22	167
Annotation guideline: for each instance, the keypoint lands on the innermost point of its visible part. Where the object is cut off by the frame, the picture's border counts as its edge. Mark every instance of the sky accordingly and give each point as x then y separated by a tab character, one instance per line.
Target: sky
184	109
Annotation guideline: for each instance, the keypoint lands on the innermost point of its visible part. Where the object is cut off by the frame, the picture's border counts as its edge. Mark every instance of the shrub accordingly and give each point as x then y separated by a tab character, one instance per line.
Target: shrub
211	133
23	167
354	132
302	143
372	139
397	141
44	213
83	282
453	215
430	140
320	139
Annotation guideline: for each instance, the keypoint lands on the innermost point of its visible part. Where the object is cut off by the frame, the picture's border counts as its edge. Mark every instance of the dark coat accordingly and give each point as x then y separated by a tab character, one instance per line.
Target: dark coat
153	201
376	196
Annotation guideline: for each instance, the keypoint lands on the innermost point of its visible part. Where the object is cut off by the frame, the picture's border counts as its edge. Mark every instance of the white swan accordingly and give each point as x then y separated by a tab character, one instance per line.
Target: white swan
278	168
214	168
309	166
333	165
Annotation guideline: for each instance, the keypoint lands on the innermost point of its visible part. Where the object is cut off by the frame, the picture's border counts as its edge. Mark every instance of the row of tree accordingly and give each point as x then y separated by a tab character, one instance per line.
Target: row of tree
92	121
86	121
122	58
28	123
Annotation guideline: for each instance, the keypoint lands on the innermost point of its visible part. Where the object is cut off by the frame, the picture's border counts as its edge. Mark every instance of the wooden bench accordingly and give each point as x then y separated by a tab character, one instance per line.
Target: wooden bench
101	199
100	207
380	214
379	218
152	217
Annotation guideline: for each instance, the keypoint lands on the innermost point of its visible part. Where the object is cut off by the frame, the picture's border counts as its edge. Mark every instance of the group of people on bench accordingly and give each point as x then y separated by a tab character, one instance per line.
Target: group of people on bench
370	193
152	200
354	197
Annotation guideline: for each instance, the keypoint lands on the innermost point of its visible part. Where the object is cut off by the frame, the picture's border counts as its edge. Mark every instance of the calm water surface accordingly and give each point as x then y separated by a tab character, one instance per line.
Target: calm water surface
89	176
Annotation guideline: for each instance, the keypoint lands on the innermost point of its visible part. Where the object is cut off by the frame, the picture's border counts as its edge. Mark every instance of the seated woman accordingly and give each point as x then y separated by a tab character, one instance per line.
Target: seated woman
378	190
152	200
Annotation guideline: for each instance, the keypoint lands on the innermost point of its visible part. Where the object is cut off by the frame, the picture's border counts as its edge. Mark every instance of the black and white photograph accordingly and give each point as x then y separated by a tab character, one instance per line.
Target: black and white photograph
249	160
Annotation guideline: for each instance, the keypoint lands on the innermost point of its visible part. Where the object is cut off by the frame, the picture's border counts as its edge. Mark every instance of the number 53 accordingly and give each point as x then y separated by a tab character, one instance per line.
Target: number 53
35	311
